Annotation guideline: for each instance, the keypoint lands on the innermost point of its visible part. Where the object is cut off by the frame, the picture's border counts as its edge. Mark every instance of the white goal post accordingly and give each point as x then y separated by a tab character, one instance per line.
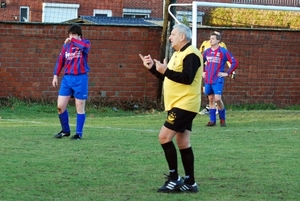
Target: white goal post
195	5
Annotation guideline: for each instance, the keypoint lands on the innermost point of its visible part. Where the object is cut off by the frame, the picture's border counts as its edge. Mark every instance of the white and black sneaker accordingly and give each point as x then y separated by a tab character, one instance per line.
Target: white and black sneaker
204	111
188	187
170	185
62	134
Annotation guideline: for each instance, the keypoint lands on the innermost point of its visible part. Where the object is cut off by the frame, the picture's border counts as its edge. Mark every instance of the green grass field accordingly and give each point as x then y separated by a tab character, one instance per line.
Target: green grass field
256	157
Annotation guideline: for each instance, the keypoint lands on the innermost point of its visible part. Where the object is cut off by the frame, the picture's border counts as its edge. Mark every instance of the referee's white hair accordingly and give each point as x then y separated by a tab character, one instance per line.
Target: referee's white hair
185	30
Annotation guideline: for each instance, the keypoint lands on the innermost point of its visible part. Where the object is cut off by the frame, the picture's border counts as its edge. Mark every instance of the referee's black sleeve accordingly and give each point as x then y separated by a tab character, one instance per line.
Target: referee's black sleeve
156	73
191	63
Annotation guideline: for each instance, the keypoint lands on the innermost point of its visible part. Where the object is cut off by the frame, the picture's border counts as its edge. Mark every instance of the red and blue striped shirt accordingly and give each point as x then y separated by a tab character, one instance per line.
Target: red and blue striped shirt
216	62
73	58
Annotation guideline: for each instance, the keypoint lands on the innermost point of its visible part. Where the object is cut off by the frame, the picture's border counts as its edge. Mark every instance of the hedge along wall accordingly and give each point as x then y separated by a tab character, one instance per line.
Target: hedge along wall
268	72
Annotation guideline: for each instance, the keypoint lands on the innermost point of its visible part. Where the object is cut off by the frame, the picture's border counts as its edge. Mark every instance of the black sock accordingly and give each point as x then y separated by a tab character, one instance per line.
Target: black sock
187	157
171	156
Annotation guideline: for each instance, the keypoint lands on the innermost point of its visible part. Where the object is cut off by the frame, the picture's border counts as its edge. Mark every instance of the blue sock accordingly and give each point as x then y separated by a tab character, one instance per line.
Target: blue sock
212	115
80	123
64	121
222	114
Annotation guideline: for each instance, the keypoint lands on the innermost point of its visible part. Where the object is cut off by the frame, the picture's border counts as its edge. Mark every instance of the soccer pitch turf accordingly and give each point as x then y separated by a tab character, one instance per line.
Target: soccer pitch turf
256	157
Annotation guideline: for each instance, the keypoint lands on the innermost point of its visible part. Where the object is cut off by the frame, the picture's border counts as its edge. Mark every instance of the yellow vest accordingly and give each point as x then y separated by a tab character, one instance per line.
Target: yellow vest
205	45
183	96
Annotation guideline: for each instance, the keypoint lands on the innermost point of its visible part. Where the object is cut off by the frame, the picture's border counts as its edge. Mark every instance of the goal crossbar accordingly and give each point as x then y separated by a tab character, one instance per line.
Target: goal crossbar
195	5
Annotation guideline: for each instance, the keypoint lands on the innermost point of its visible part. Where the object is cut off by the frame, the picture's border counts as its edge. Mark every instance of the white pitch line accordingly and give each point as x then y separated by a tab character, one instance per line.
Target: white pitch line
194	130
149	130
21	121
271	129
127	129
86	126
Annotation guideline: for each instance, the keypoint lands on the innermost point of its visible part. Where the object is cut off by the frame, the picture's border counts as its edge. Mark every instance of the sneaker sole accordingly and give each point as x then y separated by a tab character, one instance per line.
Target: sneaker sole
186	189
170	191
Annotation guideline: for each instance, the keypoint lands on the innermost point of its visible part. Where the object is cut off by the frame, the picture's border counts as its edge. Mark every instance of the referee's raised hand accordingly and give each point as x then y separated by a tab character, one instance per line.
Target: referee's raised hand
147	61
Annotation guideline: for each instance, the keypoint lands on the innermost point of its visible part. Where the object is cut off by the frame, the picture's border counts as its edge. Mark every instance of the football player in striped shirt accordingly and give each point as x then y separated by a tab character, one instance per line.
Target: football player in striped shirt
204	46
213	74
73	60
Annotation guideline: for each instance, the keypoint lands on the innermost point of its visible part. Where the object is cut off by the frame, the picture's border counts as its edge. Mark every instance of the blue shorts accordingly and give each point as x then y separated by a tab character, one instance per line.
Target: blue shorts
216	88
74	85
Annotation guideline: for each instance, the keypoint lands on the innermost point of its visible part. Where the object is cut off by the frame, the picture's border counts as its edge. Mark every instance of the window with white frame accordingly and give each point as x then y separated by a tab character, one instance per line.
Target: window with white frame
59	12
136	13
102	13
24	14
187	15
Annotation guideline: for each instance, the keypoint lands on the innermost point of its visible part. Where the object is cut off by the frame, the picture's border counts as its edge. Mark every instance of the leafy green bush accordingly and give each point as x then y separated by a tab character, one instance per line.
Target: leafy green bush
236	17
106	105
253	107
292	107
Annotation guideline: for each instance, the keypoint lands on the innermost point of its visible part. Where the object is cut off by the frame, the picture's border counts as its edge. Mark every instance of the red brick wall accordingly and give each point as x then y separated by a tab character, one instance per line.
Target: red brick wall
86	8
30	52
268	69
268	72
157	5
204	9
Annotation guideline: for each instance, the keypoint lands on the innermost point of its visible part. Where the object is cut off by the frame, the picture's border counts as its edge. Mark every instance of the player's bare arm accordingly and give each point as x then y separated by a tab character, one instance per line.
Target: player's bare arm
221	74
55	81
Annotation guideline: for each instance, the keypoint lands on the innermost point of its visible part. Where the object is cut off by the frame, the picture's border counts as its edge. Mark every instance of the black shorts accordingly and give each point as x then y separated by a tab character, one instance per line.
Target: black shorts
179	120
